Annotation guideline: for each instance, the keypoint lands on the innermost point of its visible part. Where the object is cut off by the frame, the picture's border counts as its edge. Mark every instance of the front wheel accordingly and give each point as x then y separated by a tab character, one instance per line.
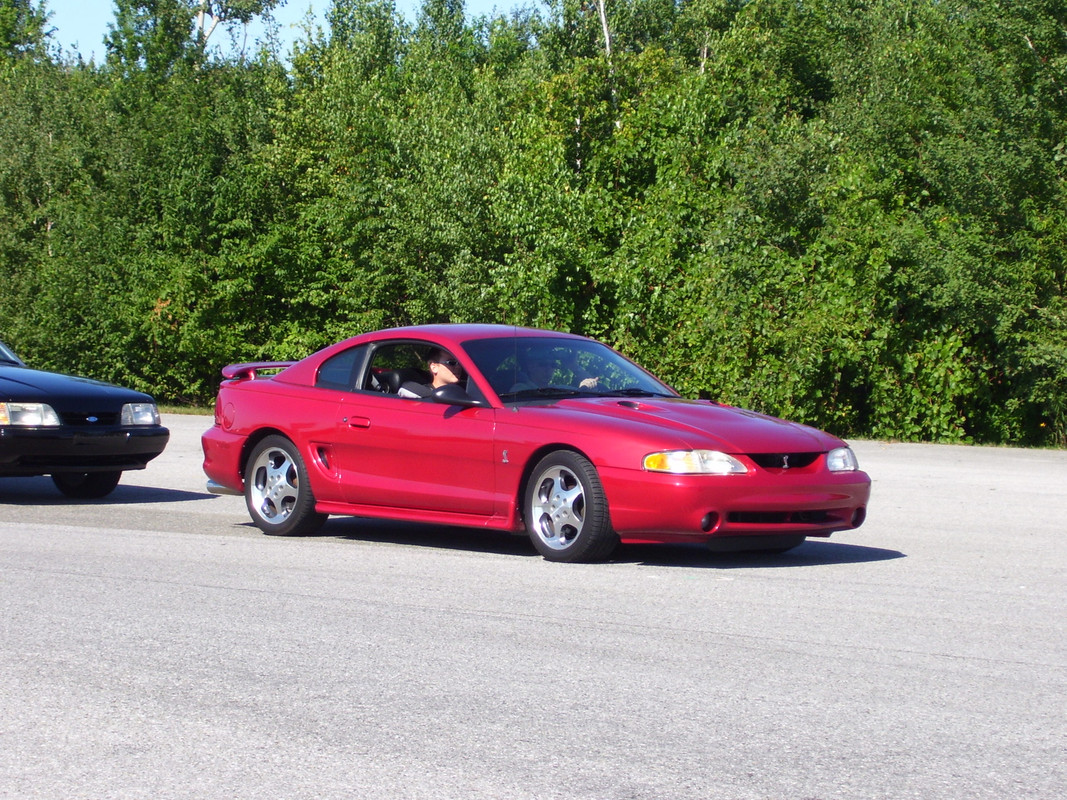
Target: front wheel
87	485
277	491
566	511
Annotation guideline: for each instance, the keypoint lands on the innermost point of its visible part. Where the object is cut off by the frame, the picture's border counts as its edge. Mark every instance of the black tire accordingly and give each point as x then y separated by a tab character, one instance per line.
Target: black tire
87	485
277	491
566	511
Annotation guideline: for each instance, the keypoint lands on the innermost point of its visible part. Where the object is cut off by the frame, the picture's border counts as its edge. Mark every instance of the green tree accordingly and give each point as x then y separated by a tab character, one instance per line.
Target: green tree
22	30
153	36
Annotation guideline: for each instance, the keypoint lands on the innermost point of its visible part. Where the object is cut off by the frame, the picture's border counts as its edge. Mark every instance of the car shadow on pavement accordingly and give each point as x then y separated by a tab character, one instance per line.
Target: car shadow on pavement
810	554
42	492
425	535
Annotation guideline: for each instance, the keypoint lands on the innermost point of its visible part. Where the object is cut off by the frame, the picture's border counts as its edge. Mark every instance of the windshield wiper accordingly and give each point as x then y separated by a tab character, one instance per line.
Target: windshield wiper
543	392
633	391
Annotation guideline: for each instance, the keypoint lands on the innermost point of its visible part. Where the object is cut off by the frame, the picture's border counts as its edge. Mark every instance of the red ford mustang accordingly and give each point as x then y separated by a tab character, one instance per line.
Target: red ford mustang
519	429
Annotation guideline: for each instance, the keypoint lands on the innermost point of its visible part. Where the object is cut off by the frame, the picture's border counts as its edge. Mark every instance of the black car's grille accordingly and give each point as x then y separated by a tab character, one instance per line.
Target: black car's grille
784	460
80	419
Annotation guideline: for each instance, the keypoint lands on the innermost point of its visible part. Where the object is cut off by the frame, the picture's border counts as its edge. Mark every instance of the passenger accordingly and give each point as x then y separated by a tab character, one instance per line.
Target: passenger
536	368
539	365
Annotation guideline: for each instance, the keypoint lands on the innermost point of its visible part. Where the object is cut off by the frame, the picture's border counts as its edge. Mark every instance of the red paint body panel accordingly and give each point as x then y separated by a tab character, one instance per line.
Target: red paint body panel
379	455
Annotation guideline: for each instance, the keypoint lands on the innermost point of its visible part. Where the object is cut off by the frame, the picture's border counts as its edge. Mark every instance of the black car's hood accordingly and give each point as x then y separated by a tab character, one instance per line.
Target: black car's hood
64	392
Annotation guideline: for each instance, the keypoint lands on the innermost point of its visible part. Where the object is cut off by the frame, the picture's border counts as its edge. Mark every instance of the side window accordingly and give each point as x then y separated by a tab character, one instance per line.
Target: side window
412	369
342	370
395	364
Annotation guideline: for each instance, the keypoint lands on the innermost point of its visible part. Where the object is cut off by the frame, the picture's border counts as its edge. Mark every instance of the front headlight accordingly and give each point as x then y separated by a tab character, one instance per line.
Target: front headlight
694	462
140	414
842	460
30	415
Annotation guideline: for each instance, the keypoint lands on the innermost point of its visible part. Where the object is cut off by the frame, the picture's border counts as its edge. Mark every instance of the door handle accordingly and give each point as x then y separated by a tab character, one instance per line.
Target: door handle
358	422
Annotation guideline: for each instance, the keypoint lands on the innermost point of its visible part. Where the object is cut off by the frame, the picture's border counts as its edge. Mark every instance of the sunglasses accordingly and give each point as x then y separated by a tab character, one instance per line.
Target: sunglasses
451	363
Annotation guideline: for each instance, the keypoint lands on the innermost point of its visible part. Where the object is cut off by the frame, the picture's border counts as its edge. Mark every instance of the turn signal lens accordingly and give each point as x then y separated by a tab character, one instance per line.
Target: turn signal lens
694	462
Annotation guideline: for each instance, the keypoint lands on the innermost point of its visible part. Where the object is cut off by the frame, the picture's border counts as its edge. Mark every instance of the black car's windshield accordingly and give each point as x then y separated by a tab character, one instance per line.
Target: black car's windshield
527	369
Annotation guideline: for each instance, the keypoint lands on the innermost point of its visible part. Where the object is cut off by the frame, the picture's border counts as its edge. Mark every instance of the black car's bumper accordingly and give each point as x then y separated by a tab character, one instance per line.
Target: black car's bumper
45	451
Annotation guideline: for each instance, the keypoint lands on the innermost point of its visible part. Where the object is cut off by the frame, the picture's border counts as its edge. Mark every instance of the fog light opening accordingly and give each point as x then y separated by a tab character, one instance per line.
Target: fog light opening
858	516
709	522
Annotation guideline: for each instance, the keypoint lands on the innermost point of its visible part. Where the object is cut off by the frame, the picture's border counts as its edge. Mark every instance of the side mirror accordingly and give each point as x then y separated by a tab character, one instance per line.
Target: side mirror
452	395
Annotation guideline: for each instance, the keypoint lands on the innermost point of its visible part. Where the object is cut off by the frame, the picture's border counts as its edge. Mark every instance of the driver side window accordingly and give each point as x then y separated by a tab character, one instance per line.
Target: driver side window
398	366
414	369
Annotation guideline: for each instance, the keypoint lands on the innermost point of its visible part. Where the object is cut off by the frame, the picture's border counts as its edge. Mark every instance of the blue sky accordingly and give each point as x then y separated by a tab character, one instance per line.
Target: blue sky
82	24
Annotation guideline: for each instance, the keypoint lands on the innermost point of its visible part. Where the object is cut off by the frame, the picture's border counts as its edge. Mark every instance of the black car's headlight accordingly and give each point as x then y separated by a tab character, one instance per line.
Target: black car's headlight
29	415
140	414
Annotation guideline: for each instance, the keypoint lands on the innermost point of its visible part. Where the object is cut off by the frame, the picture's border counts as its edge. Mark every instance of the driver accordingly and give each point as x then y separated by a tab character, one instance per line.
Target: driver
444	369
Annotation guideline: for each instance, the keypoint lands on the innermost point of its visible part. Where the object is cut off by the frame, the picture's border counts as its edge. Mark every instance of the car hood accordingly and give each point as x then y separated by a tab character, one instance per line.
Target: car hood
703	424
64	392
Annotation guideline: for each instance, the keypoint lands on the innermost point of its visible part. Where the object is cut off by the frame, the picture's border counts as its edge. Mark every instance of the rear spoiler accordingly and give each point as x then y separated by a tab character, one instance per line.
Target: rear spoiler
251	370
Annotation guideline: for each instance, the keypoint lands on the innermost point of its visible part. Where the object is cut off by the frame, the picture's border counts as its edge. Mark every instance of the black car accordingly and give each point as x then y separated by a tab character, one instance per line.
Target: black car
84	433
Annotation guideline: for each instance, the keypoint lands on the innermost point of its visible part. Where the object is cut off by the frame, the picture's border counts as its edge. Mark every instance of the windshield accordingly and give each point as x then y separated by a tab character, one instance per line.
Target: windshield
522	369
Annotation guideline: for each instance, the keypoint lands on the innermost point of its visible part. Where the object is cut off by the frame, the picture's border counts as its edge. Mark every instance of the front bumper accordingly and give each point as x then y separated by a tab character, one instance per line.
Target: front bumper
647	507
47	451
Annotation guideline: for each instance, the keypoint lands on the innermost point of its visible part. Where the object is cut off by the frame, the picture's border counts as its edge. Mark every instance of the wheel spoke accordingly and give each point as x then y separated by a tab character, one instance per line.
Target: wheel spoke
570	510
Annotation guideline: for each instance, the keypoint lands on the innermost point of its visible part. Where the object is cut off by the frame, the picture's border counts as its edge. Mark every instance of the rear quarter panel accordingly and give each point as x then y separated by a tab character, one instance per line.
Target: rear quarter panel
248	411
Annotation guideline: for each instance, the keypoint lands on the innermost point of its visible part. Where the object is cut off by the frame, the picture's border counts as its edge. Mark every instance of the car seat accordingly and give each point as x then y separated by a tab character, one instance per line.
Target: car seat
391	380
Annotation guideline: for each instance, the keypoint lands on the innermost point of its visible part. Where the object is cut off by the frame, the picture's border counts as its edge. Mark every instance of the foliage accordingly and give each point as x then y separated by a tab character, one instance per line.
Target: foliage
851	214
22	30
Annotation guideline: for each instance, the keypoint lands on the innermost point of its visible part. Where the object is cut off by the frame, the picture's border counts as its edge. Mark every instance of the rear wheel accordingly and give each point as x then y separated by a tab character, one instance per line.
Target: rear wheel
277	491
87	485
566	511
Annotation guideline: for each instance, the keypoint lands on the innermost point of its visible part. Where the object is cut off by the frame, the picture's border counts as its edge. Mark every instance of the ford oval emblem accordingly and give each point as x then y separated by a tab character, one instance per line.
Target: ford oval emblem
92	419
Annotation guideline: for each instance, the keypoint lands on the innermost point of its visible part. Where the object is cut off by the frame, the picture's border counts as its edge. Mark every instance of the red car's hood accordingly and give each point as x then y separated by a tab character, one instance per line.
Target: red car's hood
702	424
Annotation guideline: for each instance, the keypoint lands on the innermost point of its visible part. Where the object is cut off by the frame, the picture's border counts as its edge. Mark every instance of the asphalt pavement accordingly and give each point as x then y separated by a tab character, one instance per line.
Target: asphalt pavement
156	645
